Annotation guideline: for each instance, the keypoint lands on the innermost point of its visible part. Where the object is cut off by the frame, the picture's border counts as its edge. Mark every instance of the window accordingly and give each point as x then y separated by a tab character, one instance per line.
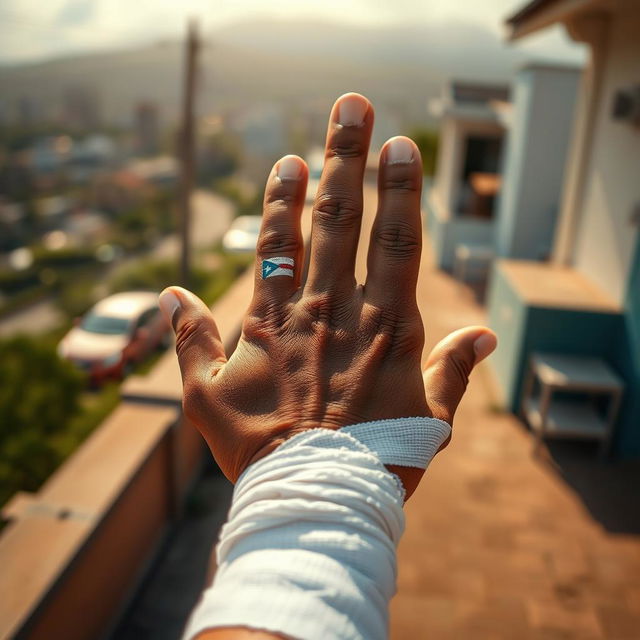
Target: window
480	180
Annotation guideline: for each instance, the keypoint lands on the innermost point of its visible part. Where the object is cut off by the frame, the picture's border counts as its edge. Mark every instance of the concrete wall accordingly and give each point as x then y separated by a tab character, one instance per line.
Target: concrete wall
533	168
447	232
73	554
605	240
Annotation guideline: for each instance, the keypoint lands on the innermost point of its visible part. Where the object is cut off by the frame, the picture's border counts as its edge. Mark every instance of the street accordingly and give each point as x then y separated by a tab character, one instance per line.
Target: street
212	215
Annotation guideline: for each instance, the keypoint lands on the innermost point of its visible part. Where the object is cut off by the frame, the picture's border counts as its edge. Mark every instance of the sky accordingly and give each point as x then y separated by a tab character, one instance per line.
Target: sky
32	30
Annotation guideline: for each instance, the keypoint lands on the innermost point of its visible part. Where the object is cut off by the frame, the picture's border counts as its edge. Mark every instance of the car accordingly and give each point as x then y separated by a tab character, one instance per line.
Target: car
242	235
114	334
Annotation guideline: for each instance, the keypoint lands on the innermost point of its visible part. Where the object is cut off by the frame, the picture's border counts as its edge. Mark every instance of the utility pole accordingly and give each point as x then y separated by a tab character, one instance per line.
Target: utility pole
187	148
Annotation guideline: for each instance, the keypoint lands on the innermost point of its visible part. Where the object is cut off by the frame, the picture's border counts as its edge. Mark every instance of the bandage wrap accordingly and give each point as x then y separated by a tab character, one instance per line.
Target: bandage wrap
309	548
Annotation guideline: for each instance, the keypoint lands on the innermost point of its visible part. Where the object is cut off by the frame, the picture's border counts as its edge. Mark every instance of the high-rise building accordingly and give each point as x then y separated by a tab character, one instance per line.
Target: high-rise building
82	108
146	128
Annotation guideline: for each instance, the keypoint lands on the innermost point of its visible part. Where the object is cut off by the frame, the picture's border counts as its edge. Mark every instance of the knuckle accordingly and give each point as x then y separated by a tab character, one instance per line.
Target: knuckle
186	333
277	241
257	328
399	183
458	365
341	146
328	311
337	213
398	240
281	194
405	330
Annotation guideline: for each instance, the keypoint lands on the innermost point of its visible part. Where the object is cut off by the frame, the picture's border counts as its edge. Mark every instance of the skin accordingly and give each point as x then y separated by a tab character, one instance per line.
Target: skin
327	352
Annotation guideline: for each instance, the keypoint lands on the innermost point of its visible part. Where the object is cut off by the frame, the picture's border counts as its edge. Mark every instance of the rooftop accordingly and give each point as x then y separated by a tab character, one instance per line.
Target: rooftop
499	543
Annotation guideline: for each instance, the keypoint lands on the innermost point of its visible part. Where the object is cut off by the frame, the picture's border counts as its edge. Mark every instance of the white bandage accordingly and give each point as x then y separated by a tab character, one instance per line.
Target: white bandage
309	549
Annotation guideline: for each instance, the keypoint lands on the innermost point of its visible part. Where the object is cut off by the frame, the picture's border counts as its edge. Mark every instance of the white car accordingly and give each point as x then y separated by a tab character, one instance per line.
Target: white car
117	332
242	235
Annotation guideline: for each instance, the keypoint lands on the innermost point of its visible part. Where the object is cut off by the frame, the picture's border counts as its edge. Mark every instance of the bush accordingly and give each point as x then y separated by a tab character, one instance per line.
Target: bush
39	395
427	141
69	257
153	275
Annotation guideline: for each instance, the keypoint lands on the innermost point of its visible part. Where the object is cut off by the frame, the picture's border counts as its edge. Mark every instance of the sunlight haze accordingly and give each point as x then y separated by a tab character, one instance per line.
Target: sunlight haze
32	30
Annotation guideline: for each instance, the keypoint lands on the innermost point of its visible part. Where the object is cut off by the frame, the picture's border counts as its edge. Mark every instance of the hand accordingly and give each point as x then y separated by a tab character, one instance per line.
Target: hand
327	352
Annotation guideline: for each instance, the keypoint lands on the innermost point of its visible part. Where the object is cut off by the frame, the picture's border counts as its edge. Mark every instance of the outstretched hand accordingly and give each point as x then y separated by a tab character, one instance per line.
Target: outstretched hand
328	352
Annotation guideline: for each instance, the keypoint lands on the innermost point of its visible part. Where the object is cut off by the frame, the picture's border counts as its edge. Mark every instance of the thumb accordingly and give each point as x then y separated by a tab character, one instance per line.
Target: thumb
449	365
198	344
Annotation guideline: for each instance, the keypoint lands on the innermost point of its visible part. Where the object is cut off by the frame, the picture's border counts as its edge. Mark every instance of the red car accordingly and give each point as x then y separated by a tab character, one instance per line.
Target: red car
116	333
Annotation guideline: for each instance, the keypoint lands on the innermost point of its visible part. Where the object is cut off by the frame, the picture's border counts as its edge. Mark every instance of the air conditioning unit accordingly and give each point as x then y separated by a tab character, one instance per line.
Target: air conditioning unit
626	105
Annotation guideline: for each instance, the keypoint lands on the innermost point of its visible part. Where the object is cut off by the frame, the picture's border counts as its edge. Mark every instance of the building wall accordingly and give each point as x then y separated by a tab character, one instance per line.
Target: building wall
446	167
533	170
454	132
605	241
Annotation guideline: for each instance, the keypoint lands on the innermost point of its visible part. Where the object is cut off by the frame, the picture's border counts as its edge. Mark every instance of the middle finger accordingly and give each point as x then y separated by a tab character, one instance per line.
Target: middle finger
337	211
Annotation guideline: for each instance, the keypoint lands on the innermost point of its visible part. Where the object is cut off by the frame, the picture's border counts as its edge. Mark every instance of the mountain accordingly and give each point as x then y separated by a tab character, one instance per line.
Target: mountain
305	64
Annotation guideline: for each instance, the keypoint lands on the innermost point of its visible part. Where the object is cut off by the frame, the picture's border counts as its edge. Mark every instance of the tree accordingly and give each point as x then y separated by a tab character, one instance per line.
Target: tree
427	141
39	394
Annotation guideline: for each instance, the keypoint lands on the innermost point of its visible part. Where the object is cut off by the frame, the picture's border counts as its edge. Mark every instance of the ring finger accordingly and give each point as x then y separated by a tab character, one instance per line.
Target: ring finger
337	211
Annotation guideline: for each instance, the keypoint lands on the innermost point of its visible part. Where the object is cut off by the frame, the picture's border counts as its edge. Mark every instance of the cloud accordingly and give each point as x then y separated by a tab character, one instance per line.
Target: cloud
32	29
75	12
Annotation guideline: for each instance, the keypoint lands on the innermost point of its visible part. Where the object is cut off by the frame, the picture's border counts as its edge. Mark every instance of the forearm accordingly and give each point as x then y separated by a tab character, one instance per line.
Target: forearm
309	549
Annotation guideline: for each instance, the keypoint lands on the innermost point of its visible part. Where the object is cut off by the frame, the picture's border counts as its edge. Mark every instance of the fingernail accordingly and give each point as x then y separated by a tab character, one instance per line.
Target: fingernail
399	151
169	303
289	168
484	345
351	110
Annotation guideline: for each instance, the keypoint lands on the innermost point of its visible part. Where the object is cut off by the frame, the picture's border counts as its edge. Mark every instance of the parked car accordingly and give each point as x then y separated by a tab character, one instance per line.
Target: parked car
242	235
114	334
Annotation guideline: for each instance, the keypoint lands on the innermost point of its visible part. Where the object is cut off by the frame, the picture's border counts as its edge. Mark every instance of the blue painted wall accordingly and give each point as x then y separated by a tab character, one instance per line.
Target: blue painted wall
522	329
627	354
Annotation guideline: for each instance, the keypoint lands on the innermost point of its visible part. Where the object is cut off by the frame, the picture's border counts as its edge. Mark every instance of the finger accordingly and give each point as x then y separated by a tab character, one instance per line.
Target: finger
449	365
198	343
279	252
393	261
337	211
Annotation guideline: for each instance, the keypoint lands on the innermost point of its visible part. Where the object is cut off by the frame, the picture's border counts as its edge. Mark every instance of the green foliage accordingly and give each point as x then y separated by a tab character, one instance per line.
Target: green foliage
247	203
427	141
39	395
76	297
44	411
219	281
153	275
139	226
67	257
11	281
220	156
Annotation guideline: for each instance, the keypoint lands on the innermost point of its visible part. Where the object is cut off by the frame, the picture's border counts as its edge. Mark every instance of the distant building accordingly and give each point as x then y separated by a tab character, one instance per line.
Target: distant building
28	111
586	300
472	136
539	123
13	227
81	110
146	128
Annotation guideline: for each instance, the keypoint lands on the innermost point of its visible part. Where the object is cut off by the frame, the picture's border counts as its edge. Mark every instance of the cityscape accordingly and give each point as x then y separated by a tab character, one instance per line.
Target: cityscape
126	168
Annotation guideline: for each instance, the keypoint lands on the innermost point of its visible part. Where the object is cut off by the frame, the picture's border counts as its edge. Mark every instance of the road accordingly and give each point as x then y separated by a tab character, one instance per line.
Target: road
212	215
211	218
